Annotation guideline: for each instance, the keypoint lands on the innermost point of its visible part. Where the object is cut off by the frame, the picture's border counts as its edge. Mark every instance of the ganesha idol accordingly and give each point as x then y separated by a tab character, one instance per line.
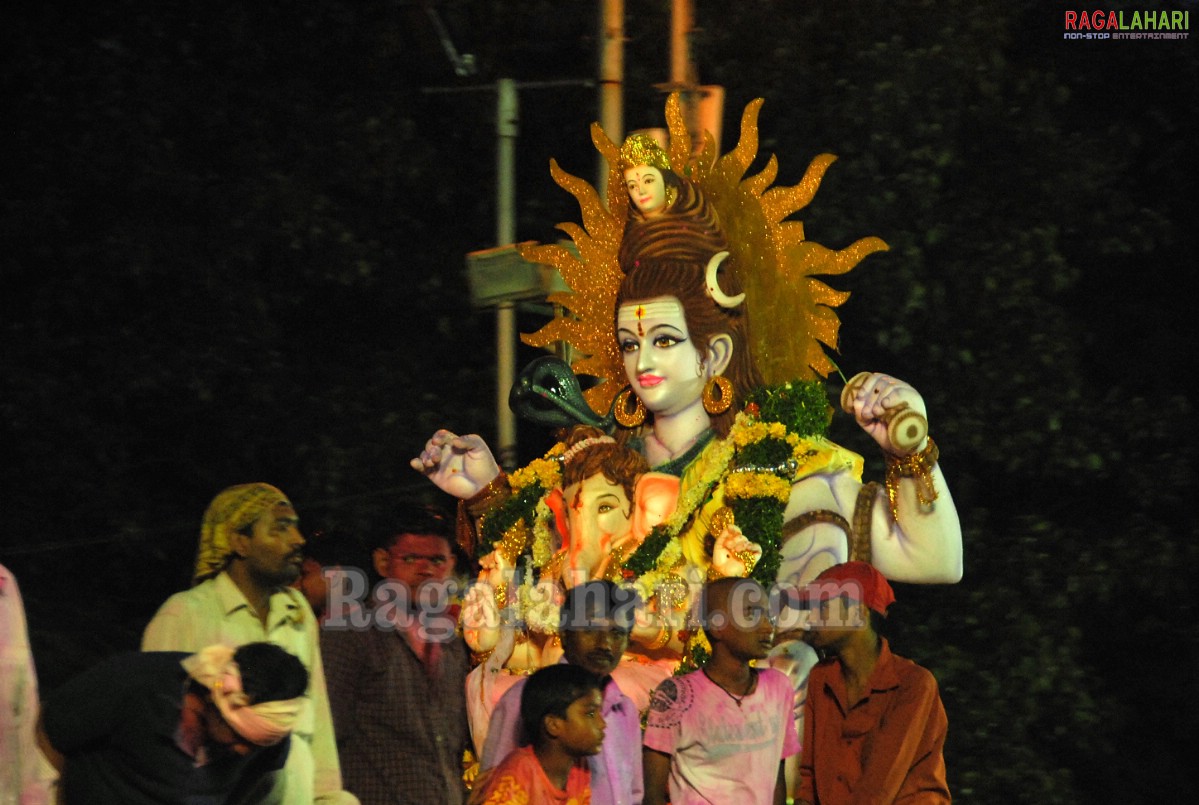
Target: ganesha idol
698	448
601	502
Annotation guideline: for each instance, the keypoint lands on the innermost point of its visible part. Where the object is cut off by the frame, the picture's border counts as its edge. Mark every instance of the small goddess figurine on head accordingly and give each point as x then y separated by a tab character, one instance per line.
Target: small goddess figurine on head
666	209
652	185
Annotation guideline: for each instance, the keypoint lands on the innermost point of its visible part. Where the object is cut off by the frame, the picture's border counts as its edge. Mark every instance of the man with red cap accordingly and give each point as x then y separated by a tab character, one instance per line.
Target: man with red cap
874	726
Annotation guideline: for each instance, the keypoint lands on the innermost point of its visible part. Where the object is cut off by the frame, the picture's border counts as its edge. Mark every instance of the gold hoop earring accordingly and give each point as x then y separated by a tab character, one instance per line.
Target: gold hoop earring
624	416
718	395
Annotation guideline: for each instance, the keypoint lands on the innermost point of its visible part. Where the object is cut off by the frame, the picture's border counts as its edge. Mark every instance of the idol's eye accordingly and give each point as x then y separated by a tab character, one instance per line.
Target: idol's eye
629	345
666	341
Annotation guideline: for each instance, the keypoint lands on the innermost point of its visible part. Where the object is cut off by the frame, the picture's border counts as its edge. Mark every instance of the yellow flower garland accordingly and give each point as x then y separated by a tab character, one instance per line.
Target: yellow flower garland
757	485
543	540
546	470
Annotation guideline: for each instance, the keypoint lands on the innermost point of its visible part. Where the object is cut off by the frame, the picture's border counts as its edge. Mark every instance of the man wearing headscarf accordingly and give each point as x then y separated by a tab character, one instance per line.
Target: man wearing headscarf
165	727
250	552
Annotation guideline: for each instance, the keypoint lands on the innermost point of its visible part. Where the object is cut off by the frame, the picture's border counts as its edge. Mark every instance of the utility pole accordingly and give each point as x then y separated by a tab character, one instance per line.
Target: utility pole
611	80
498	277
702	105
682	20
507	128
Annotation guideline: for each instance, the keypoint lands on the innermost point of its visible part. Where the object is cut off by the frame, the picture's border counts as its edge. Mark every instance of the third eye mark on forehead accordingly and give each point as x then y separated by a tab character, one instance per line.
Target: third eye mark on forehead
661	309
658	329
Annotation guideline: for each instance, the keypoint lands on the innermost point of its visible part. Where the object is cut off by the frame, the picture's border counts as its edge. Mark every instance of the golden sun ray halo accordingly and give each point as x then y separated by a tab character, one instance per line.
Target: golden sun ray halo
792	311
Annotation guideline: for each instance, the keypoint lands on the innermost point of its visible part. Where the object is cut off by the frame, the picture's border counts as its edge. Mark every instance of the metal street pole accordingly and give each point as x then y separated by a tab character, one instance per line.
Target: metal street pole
683	77
611	80
493	290
507	129
682	19
702	104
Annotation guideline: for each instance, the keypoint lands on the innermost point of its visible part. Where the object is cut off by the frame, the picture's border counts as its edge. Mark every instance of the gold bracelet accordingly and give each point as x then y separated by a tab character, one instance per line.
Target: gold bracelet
749	559
660	640
918	466
514	542
489	497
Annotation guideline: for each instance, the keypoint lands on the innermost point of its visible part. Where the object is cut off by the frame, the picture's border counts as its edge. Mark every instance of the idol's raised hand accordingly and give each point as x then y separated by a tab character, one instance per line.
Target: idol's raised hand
458	465
890	410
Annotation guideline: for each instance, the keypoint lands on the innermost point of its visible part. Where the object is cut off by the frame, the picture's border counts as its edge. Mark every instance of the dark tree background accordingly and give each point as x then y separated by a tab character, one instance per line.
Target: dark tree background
234	239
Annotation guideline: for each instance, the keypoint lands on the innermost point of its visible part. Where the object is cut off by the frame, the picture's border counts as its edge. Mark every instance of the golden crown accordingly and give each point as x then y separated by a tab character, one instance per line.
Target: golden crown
643	149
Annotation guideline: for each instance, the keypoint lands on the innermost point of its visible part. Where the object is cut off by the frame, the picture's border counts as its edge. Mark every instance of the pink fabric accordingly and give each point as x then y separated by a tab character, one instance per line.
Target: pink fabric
521	779
256	723
264	724
721	752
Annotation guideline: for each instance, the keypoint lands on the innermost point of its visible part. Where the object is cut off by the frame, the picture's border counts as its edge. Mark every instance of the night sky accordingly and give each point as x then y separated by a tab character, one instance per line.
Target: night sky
235	240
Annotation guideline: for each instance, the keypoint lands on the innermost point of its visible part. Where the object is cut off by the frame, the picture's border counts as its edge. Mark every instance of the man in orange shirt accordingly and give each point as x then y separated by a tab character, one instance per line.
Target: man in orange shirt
874	725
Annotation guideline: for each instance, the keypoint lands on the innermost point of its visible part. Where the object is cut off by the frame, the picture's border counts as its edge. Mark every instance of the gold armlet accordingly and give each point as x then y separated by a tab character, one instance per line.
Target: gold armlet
918	466
489	497
860	547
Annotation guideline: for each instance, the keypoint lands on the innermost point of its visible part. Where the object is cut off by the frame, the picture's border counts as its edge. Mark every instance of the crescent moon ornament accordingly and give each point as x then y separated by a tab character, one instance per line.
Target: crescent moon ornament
719	296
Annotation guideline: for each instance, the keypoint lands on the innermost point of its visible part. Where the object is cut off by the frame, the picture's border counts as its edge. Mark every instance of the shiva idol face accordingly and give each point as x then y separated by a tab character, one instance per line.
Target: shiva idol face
661	362
647	189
